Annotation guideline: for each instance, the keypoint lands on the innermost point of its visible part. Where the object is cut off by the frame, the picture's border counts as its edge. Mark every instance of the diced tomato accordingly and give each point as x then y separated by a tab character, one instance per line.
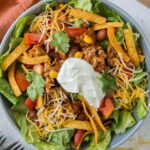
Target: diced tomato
73	32
33	38
78	136
106	107
21	81
29	103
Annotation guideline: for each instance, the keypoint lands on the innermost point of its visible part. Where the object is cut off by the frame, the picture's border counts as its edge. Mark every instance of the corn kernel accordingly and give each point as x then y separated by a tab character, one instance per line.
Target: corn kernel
78	55
39	102
88	39
53	74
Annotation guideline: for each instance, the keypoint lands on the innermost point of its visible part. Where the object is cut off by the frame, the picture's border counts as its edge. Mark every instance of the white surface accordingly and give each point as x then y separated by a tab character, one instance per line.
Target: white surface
78	76
141	140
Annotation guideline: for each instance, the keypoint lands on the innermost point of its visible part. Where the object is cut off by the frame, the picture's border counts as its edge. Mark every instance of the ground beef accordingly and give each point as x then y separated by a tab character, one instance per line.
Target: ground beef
96	56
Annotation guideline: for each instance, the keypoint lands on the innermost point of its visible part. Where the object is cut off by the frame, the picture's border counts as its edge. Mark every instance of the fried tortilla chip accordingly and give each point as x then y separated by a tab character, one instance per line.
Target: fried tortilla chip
12	81
87	16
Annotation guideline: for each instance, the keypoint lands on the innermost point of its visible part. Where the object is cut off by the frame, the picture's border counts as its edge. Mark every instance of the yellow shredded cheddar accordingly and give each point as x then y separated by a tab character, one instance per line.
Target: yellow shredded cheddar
108	24
94	113
33	60
92	123
115	44
12	81
87	16
131	47
14	55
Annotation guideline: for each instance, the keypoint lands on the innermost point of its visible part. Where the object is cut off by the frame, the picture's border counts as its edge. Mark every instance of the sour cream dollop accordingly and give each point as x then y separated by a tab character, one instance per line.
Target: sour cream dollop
78	76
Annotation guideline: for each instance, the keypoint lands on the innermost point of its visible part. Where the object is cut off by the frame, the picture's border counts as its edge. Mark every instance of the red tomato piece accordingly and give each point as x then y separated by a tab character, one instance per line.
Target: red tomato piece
106	107
73	32
78	136
21	81
33	38
29	103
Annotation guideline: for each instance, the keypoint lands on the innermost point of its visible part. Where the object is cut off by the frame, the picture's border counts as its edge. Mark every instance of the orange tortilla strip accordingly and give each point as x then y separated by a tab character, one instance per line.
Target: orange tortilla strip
131	47
78	124
14	55
12	81
33	60
108	24
115	44
94	113
92	123
87	16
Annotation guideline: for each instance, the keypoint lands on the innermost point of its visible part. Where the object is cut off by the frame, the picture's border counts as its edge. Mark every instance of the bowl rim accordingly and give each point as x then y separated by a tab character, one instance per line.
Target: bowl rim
112	6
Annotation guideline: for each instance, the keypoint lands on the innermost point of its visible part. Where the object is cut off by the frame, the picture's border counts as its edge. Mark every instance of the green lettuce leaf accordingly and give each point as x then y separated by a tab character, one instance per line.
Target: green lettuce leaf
48	146
101	9
104	141
120	35
62	137
6	90
22	25
14	42
115	117
20	106
82	4
50	4
126	120
28	131
141	110
61	41
36	87
78	23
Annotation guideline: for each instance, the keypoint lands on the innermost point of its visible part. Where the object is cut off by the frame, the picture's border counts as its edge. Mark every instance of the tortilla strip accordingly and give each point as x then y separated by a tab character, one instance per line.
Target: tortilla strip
108	24
131	47
87	16
12	81
115	44
14	55
94	113
78	124
85	134
33	60
92	123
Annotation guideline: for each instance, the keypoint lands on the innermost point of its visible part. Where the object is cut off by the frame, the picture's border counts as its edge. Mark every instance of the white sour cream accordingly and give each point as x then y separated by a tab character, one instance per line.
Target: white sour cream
78	76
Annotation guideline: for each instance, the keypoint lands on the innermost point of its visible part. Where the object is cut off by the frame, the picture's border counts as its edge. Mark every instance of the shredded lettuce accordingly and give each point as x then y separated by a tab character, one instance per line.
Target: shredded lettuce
48	146
126	120
78	22
120	35
50	4
104	140
104	11
82	4
141	110
28	130
61	137
6	90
